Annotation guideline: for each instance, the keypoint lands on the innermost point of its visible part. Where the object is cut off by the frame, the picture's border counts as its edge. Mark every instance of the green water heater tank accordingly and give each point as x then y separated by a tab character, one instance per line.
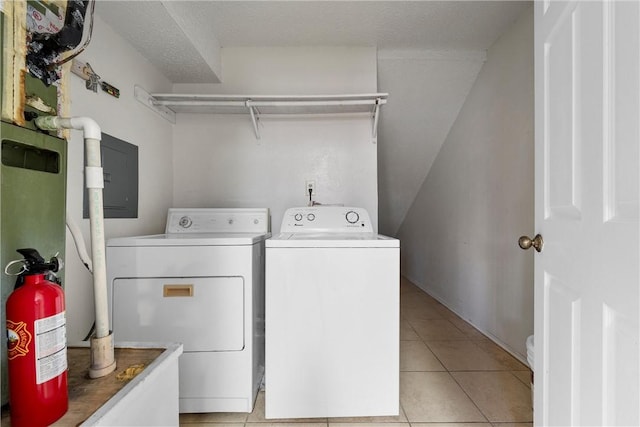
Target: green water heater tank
32	205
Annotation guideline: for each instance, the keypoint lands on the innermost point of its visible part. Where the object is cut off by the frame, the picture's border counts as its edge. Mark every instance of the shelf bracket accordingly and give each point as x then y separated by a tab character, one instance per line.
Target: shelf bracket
254	117
376	115
149	101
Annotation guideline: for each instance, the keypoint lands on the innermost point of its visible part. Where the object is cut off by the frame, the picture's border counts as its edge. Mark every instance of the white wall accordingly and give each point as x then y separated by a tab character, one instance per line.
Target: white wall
459	238
426	92
125	118
219	163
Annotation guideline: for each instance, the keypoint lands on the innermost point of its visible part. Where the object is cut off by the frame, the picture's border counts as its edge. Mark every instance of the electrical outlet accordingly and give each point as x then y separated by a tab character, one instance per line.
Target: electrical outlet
310	184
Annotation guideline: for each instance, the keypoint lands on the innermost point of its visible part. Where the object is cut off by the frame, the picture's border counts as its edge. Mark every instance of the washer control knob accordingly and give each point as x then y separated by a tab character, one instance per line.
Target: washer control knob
311	217
352	217
185	222
298	217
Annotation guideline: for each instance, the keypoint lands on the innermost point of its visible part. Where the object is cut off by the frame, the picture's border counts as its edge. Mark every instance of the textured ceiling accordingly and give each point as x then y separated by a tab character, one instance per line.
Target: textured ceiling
181	38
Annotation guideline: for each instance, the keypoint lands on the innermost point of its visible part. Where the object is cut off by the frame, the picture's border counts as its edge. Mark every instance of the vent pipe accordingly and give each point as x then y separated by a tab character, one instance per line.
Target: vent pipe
102	347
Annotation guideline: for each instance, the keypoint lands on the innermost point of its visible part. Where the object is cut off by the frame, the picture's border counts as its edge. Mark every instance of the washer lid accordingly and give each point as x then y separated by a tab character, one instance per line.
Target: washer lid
331	240
190	239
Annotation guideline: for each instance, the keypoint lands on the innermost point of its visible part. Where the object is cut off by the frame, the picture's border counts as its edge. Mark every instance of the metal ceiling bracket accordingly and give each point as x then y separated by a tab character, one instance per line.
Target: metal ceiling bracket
376	115
254	117
150	102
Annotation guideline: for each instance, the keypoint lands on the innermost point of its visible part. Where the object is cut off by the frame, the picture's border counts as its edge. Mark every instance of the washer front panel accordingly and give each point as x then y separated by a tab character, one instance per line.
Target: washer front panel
332	332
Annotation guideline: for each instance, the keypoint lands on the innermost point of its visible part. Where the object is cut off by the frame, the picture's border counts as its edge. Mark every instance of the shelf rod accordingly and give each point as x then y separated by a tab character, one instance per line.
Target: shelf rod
212	103
201	103
312	103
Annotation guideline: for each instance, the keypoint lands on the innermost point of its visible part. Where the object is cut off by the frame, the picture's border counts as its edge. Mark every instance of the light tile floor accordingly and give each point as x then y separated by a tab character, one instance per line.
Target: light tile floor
450	376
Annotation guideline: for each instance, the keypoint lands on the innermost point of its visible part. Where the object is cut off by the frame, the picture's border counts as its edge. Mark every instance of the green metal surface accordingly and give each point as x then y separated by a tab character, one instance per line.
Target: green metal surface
48	95
32	205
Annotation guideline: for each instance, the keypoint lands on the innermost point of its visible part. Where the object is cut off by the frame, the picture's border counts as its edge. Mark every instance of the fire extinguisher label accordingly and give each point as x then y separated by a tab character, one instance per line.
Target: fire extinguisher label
51	347
19	339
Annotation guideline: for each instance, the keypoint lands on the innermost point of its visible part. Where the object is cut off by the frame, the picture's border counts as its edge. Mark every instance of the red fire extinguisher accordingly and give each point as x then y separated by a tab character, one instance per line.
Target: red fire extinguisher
37	344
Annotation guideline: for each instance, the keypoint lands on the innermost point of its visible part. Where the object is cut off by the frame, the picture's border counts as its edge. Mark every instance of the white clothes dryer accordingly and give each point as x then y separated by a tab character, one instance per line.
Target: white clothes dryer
202	284
332	316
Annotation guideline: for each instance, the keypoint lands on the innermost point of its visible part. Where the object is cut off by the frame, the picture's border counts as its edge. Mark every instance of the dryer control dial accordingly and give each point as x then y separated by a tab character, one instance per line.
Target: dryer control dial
352	217
298	217
185	222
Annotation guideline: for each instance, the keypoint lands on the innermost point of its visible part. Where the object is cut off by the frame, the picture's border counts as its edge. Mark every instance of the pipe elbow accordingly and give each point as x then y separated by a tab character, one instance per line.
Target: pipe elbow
89	126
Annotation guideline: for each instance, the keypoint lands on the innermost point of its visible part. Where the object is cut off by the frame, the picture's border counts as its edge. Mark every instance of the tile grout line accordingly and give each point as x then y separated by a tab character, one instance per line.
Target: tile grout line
449	372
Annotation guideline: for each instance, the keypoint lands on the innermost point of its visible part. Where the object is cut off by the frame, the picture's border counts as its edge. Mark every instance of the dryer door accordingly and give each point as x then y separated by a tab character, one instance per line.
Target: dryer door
202	313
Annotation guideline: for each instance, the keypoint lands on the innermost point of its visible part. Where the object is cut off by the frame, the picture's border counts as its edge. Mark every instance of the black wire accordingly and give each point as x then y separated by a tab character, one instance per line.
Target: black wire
93	328
86	43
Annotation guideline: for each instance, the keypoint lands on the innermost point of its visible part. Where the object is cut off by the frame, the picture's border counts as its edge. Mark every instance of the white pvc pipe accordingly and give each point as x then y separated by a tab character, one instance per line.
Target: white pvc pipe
88	126
94	183
93	178
103	360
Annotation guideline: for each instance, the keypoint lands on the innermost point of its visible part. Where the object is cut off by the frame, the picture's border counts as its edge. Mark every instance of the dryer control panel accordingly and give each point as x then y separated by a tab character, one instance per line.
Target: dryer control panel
326	219
217	220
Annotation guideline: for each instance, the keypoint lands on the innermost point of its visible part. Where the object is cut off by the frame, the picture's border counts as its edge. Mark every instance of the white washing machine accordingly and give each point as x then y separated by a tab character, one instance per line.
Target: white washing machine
202	284
332	316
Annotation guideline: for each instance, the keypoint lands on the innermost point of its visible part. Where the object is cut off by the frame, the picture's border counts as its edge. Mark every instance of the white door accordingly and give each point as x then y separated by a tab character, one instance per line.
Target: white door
587	276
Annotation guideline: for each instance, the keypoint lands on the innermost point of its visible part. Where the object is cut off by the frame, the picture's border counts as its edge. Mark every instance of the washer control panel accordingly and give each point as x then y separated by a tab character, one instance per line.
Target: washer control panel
216	220
333	219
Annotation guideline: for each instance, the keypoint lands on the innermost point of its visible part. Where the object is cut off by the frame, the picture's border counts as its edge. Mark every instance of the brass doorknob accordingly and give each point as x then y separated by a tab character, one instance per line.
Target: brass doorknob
525	242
